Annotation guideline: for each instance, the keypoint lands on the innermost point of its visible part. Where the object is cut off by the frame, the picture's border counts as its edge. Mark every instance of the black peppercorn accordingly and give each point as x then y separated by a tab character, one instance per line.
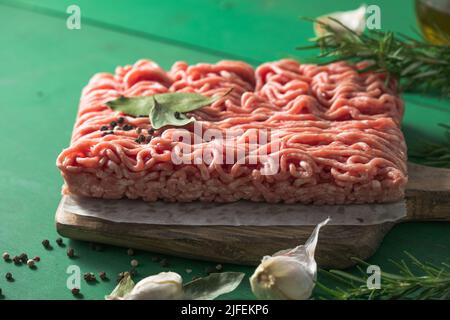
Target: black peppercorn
75	291
102	275
46	243
140	139
177	115
9	276
23	257
120	120
113	124
37	259
151	131
59	241
89	277
127	127
104	128
17	260
70	252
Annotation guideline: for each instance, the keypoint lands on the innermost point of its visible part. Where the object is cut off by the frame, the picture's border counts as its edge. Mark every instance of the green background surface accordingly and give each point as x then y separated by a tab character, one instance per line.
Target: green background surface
43	67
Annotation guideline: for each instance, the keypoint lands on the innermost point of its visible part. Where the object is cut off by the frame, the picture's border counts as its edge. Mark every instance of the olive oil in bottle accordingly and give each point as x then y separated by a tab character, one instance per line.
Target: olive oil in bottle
433	17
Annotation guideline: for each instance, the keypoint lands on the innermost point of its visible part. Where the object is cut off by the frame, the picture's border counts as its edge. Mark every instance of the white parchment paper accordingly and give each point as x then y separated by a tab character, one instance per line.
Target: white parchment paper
242	213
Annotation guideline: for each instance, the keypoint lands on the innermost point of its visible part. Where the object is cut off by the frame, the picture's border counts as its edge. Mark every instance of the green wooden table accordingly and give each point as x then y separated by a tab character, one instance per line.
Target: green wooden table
44	66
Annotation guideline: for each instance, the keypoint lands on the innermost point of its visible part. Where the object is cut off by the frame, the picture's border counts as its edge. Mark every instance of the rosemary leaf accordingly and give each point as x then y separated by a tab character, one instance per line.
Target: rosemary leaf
431	282
418	66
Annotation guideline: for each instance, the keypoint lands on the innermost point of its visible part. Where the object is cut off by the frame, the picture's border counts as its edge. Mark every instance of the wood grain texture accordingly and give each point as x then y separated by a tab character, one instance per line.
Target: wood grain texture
428	197
428	193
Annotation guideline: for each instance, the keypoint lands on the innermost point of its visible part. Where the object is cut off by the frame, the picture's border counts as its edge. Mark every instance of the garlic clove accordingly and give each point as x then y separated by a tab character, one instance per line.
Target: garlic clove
354	20
163	286
282	278
288	274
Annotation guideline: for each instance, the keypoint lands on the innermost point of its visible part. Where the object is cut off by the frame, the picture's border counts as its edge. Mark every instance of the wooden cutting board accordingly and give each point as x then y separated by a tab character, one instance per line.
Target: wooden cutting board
427	199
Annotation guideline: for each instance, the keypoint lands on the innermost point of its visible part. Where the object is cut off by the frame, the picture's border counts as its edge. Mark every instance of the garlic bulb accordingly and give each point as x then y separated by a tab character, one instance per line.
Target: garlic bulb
288	274
163	286
353	19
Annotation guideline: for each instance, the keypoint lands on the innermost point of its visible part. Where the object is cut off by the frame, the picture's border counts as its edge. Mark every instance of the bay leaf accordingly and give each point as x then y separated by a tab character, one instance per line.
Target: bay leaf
165	108
125	285
212	286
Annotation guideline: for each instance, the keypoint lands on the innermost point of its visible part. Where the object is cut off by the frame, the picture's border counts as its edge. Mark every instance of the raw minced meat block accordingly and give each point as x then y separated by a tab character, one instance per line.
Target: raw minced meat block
331	135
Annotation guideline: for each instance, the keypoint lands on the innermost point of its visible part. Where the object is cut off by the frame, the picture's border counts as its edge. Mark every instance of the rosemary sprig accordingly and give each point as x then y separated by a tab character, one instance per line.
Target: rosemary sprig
432	283
434	154
418	65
